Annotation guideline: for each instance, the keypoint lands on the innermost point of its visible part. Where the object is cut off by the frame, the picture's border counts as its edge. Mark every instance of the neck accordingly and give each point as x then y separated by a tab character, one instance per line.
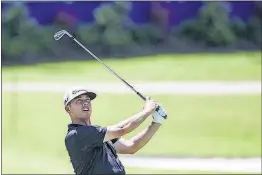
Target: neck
81	122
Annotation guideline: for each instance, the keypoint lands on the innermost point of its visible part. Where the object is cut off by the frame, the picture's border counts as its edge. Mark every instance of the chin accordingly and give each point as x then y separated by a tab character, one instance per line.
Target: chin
86	115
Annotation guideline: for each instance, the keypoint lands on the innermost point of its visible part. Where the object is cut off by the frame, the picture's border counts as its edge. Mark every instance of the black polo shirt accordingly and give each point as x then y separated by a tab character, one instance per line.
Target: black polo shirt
88	154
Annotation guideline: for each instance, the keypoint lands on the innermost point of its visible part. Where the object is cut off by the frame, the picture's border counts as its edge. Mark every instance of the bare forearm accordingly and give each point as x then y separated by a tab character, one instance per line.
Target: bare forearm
124	122
131	119
133	122
142	138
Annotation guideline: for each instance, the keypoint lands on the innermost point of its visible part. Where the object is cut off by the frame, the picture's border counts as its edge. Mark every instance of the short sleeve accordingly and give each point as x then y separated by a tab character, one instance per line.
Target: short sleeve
91	136
114	140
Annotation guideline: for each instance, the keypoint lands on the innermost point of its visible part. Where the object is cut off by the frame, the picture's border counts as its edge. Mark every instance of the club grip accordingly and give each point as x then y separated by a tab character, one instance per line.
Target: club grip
140	95
144	98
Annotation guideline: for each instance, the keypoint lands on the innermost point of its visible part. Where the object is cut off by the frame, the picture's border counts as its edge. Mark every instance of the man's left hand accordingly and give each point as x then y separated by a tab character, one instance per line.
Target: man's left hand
158	116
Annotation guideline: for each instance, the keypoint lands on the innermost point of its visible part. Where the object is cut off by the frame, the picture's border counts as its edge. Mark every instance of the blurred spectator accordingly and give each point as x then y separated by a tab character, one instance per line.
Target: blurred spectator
160	16
66	21
258	7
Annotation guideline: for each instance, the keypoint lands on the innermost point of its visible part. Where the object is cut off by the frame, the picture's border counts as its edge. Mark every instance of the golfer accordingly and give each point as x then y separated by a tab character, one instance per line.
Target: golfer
93	149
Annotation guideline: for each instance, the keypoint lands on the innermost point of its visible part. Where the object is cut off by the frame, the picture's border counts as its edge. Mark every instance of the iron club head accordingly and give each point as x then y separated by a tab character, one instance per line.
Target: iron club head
59	35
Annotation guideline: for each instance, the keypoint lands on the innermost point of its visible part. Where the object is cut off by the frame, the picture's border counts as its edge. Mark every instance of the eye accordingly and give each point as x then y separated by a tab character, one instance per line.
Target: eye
79	100
87	100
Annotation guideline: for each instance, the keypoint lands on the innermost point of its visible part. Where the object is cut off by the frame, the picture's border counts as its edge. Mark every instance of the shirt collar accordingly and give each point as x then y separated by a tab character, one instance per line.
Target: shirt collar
72	126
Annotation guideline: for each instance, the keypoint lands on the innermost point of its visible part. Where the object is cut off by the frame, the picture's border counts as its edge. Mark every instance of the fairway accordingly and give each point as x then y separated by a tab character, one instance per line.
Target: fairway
176	67
226	126
147	171
34	124
36	164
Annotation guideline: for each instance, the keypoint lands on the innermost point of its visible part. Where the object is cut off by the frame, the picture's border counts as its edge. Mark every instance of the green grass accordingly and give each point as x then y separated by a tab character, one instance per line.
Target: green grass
33	162
34	126
200	126
151	171
41	164
188	67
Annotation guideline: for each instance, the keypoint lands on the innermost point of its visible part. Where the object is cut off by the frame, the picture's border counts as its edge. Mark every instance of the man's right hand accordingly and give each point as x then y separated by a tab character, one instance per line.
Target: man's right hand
150	105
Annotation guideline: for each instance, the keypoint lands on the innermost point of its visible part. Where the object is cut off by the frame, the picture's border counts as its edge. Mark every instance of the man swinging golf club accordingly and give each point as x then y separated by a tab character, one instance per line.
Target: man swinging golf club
93	149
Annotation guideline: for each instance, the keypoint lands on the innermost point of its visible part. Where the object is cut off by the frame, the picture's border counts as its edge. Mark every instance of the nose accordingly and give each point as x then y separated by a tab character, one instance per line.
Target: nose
85	103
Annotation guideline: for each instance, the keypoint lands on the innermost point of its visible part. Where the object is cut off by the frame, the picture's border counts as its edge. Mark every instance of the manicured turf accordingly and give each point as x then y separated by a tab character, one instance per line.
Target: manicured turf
41	164
188	67
34	124
33	162
148	171
197	126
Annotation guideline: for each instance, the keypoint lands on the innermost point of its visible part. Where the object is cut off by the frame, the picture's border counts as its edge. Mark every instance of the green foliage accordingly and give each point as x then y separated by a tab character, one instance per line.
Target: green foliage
214	18
109	28
106	16
113	31
112	21
146	34
190	30
212	25
12	21
22	34
45	39
254	28
118	30
239	27
109	15
90	33
114	28
117	37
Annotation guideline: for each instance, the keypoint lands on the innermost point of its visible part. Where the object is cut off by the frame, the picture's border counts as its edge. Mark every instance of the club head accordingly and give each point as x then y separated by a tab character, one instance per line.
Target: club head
59	35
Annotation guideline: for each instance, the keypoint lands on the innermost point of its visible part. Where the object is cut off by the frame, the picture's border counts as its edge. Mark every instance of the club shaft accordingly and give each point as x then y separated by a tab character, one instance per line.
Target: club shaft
93	55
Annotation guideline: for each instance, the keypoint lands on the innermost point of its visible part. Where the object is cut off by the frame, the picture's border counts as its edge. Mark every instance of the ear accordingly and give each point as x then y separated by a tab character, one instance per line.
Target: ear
67	109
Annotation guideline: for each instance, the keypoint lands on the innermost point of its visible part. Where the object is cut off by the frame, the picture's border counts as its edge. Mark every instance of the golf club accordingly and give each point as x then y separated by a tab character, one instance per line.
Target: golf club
60	34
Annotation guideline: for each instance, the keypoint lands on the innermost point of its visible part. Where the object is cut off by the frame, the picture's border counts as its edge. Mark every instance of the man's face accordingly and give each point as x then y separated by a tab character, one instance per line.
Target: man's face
80	107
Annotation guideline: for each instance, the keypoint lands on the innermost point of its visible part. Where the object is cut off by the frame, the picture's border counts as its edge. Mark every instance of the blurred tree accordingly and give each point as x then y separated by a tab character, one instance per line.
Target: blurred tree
215	22
239	28
22	34
112	22
212	25
254	30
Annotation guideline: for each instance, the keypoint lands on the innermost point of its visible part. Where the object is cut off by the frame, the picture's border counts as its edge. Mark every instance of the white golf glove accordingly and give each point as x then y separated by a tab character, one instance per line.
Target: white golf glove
158	116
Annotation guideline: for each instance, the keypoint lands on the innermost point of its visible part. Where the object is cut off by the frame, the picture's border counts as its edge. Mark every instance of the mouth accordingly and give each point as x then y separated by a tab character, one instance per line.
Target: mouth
85	108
